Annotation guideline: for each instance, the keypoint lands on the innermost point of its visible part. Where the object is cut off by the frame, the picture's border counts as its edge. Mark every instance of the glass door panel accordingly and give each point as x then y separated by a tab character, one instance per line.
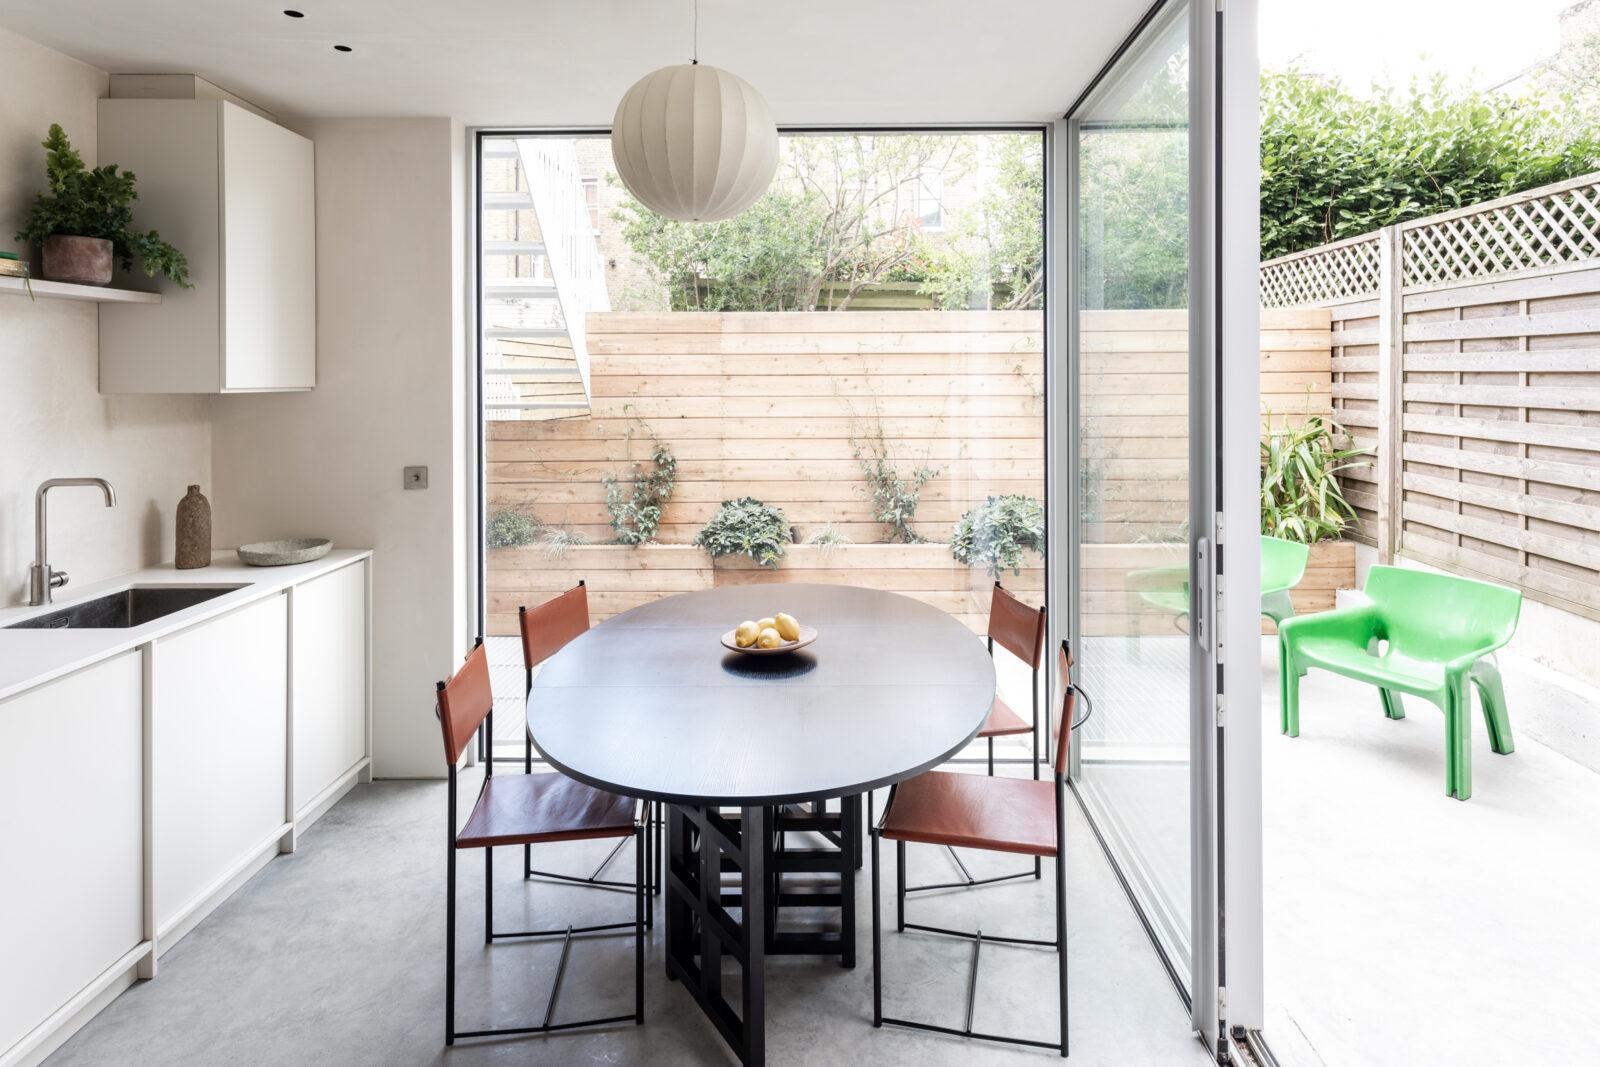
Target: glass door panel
1134	378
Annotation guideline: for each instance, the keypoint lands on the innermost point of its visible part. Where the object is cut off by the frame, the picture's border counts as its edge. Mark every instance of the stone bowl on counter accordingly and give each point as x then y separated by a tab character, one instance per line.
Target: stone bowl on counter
285	552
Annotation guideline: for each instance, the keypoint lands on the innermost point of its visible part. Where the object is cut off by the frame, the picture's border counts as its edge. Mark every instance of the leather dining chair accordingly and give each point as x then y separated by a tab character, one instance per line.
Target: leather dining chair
545	630
525	809
1019	630
1014	815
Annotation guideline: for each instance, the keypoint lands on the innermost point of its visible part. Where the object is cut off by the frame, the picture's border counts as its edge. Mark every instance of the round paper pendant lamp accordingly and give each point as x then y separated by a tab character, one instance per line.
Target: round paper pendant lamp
694	143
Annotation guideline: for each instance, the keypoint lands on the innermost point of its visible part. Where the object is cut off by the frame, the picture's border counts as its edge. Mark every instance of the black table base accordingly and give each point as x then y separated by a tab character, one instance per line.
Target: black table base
772	876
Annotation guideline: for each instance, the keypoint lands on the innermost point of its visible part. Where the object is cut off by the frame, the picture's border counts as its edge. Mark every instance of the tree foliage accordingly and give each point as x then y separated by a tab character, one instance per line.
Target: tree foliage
833	216
96	203
840	216
1335	165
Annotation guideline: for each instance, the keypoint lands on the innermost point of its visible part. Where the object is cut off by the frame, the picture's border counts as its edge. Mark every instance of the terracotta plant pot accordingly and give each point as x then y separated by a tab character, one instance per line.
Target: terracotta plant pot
80	260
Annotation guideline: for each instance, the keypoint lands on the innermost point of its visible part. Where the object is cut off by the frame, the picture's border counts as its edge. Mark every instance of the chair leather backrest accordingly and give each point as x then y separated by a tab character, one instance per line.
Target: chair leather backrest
1016	627
546	629
1066	707
1441	616
464	701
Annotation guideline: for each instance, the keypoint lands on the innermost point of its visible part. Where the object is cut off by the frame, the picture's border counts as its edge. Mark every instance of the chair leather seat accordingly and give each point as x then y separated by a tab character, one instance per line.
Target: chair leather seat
516	809
1002	722
974	811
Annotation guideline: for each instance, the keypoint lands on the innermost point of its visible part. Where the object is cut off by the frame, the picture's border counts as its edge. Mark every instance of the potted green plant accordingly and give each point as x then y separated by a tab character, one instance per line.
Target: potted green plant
84	222
998	531
1302	500
746	527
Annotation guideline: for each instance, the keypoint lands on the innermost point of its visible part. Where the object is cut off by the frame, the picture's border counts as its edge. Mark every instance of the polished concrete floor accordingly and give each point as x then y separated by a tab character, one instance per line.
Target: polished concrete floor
335	955
1405	927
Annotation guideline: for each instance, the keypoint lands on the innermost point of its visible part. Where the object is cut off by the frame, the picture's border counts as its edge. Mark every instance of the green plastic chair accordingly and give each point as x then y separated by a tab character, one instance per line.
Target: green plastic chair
1283	564
1419	633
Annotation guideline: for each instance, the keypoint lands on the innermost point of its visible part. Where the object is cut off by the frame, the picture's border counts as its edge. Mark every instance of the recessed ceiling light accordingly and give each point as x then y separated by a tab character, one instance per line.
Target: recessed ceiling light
343	48
292	13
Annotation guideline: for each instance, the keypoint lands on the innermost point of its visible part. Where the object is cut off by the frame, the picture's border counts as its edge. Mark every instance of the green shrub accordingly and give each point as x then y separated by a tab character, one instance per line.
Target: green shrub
1300	495
509	528
745	527
636	518
1335	164
998	531
94	203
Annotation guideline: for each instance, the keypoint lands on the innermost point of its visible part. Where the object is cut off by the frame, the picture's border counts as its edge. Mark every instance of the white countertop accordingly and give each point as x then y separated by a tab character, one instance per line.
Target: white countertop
31	657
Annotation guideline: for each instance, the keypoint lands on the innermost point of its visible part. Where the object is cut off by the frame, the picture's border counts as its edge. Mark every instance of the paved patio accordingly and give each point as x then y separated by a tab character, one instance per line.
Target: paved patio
1406	927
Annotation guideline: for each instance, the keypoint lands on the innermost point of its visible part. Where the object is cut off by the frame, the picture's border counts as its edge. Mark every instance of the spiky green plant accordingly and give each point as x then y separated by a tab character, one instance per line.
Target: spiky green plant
1301	499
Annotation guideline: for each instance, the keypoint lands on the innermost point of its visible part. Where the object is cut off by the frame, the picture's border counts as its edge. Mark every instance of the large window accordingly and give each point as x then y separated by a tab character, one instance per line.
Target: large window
1134	372
862	353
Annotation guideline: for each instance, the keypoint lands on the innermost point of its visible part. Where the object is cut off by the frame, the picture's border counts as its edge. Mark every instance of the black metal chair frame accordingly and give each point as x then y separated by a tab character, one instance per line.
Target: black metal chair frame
639	925
977	937
653	822
968	881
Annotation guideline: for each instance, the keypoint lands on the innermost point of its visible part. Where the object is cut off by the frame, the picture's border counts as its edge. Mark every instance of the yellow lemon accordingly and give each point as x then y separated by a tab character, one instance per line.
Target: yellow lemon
768	623
787	626
768	638
745	635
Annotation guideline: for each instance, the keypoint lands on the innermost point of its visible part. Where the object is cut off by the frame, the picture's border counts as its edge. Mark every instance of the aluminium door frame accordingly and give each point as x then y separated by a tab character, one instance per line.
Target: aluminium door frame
1223	992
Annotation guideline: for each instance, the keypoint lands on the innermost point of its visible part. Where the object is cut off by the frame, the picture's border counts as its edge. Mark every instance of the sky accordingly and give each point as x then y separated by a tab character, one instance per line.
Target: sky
1487	40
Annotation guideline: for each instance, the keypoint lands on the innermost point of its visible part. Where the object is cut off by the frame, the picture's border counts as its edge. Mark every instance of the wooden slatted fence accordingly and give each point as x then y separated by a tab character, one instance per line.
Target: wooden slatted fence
776	406
1466	353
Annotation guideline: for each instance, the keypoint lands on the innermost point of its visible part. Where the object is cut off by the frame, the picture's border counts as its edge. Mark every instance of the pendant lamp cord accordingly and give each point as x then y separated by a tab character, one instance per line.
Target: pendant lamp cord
695	54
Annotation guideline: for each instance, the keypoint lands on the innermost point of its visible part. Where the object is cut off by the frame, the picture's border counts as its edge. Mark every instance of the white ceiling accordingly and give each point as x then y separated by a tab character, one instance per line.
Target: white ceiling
567	62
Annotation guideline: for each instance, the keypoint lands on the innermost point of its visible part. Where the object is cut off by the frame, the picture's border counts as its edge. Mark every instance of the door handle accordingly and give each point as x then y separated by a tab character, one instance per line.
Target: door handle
1200	610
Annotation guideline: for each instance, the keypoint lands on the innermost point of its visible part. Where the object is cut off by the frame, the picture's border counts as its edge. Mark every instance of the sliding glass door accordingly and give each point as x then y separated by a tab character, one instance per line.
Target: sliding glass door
1131	142
1163	362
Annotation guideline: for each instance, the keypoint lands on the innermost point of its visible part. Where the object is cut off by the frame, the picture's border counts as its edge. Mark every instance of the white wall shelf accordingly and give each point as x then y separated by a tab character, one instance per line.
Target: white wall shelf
99	294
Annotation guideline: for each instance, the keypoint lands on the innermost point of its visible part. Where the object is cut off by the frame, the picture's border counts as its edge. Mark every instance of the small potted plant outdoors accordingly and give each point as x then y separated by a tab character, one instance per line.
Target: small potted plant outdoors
83	223
746	527
997	533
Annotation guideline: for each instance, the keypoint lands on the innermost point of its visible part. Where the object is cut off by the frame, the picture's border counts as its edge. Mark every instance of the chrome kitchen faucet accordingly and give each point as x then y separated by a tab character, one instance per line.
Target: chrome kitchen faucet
41	579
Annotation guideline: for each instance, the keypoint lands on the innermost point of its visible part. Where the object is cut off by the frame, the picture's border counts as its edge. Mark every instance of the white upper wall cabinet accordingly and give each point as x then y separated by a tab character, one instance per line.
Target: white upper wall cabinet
236	194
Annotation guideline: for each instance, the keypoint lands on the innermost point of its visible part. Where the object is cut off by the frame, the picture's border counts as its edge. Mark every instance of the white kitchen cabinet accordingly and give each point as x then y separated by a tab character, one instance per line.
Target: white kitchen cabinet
236	194
219	737
71	809
328	624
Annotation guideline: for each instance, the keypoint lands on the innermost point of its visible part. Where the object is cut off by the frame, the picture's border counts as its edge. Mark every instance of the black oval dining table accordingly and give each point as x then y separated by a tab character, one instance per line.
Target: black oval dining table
746	750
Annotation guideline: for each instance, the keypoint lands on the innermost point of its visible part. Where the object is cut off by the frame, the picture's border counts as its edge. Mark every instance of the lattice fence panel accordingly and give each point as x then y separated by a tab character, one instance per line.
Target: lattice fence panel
1324	275
1542	228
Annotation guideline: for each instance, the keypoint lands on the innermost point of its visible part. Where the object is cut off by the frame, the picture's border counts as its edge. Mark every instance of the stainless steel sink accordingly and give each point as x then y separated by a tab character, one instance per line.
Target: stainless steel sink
130	607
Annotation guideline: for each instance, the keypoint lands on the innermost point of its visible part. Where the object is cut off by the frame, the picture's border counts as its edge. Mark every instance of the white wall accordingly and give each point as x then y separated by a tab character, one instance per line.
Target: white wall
390	375
53	420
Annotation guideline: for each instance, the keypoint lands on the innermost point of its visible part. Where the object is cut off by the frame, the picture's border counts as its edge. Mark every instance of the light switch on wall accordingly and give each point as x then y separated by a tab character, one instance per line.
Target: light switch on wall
416	477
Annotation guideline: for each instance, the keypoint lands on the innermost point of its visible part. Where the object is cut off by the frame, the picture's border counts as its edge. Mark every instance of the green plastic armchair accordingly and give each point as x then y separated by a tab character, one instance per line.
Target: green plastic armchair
1283	564
1419	633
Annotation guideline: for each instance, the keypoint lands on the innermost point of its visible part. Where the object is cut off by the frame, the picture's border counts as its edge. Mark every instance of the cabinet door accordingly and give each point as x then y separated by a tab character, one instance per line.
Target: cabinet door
219	746
330	679
71	824
269	255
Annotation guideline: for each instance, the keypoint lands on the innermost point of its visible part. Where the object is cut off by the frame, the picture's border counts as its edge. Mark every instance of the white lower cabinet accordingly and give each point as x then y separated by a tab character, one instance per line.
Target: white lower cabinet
328	624
72	870
137	792
219	740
